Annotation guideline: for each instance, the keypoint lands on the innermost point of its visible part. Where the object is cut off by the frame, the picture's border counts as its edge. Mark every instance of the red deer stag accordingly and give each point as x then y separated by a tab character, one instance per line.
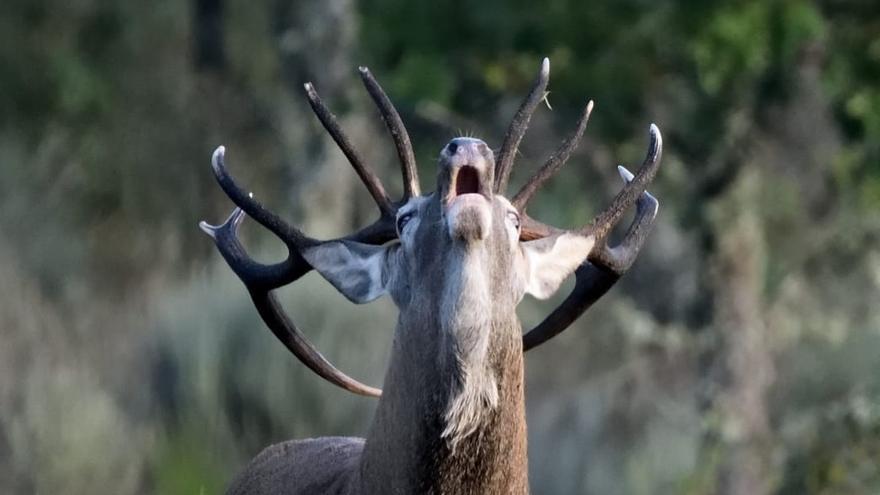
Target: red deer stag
456	262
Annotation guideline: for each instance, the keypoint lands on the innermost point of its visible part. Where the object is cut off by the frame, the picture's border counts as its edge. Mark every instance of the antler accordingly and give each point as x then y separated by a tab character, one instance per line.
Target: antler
604	265
603	269
261	279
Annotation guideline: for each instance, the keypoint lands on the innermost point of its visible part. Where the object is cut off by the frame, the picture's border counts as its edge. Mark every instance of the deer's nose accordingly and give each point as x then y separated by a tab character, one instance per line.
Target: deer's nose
468	146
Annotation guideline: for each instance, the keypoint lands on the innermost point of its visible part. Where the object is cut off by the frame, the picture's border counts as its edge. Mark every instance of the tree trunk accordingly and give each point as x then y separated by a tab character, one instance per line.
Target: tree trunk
745	357
315	40
209	49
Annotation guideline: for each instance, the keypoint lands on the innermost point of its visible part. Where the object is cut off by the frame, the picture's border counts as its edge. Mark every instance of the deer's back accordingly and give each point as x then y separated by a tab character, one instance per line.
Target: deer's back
313	466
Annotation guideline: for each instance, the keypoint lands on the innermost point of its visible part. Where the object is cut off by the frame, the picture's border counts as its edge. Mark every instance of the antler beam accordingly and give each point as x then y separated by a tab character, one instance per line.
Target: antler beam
260	279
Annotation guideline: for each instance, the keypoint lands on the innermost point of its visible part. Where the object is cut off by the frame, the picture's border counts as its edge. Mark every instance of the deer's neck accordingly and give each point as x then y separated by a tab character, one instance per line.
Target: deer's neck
452	414
489	455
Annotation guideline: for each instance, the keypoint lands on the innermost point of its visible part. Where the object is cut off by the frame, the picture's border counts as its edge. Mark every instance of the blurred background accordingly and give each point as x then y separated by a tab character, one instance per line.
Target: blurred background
740	354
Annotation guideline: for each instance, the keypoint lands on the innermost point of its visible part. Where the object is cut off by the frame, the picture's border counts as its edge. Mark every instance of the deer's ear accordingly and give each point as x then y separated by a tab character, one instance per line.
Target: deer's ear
361	272
549	261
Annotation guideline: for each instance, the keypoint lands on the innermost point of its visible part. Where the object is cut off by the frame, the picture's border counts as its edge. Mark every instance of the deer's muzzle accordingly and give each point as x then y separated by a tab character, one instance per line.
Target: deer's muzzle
466	167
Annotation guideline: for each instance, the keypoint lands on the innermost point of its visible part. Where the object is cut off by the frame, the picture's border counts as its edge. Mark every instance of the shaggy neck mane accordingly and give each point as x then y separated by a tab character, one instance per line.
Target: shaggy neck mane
452	414
466	321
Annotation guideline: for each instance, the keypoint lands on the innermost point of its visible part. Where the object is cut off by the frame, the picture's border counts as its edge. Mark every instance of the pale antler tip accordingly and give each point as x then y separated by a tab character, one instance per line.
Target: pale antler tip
217	158
364	69
545	67
656	141
236	217
590	105
656	204
208	229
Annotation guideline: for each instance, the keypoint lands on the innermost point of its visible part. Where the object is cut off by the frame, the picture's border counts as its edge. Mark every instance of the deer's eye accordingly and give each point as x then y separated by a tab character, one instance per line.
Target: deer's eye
514	219
402	220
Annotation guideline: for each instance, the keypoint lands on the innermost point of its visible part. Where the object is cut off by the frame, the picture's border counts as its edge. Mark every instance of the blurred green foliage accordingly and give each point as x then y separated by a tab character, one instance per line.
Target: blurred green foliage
131	361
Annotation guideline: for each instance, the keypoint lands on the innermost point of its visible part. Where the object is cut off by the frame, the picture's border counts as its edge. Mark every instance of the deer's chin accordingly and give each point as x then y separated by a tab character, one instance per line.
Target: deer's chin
469	217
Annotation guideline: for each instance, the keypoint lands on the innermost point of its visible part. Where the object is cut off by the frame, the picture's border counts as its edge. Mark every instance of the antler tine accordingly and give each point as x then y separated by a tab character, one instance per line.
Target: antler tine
398	133
291	236
379	232
621	257
226	238
518	127
368	177
605	221
592	281
554	163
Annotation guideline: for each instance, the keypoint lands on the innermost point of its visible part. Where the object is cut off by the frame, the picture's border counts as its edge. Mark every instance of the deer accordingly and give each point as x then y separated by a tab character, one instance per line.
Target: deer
450	418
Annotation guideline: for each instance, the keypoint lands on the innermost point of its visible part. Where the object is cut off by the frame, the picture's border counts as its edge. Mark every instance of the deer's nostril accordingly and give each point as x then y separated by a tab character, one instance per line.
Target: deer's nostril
452	147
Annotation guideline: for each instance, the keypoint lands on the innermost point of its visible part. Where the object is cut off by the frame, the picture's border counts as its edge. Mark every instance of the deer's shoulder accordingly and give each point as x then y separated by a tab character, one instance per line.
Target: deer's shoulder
314	465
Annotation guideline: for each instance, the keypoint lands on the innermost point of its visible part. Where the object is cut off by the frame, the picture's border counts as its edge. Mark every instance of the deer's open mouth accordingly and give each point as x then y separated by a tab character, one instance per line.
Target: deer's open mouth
468	206
466	185
467	181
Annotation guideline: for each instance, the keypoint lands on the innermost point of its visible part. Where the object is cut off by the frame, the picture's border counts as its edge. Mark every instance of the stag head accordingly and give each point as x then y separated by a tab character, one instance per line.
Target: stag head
428	239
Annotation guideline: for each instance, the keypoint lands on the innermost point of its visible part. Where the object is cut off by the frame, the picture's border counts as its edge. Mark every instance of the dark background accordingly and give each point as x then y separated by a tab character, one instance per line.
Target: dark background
740	355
